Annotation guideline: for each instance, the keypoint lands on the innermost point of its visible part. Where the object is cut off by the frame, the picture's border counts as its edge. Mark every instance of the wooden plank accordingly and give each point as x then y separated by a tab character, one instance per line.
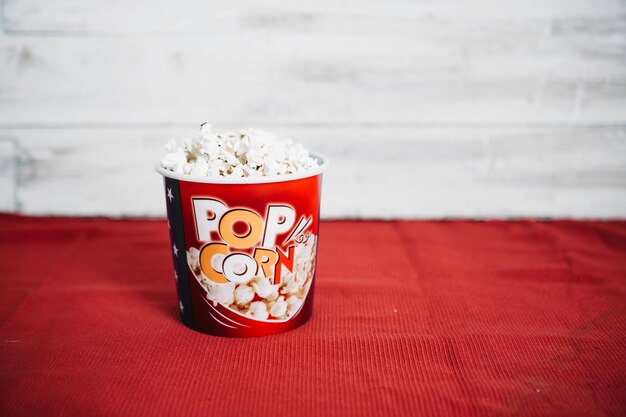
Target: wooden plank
88	80
8	174
200	16
408	65
381	173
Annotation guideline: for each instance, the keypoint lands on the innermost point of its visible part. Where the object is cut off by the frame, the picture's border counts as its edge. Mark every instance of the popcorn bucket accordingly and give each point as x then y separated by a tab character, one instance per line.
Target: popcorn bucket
244	249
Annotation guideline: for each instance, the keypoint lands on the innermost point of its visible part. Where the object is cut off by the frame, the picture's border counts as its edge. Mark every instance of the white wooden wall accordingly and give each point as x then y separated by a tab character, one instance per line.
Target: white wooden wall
433	108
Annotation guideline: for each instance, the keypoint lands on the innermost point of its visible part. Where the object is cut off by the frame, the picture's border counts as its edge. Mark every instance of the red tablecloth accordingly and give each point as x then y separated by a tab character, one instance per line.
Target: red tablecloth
431	318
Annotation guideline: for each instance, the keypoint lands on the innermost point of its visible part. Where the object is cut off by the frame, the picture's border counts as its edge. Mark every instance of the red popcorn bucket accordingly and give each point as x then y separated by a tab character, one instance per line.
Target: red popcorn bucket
244	249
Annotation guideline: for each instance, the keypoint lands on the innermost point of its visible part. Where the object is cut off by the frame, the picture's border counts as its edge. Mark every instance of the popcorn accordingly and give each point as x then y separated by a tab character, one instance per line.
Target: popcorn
274	294
293	304
244	295
193	259
222	293
292	287
278	308
259	298
262	286
206	130
250	153
258	310
175	160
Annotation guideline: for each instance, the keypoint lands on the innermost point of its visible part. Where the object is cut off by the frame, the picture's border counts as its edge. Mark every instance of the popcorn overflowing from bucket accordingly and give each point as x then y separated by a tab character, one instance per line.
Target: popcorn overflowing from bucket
249	153
259	298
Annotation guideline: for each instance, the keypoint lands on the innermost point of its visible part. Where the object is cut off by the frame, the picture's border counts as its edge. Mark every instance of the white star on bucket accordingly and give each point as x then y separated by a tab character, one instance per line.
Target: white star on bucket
175	250
180	305
169	194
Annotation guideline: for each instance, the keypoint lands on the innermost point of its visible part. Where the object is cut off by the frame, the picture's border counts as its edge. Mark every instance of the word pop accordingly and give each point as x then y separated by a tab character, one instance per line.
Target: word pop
219	264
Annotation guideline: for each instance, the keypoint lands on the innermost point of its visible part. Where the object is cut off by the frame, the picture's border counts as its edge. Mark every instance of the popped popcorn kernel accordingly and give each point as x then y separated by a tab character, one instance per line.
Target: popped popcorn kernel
262	286
193	259
258	310
222	293
249	153
243	295
294	303
278	308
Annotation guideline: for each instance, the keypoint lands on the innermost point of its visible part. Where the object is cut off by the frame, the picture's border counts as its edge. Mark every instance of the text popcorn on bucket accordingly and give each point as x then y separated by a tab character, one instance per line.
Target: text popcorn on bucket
270	283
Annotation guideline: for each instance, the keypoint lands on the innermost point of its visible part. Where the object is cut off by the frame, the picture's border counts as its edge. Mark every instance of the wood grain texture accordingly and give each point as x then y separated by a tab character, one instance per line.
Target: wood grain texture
383	173
345	65
444	108
8	174
213	16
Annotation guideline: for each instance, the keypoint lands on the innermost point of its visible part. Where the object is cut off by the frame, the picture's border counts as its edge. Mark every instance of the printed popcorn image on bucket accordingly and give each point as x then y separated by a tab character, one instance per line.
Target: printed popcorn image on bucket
261	297
243	214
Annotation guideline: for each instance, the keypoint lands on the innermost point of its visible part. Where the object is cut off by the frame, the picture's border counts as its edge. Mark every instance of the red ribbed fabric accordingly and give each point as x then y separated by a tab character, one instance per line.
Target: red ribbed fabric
453	318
